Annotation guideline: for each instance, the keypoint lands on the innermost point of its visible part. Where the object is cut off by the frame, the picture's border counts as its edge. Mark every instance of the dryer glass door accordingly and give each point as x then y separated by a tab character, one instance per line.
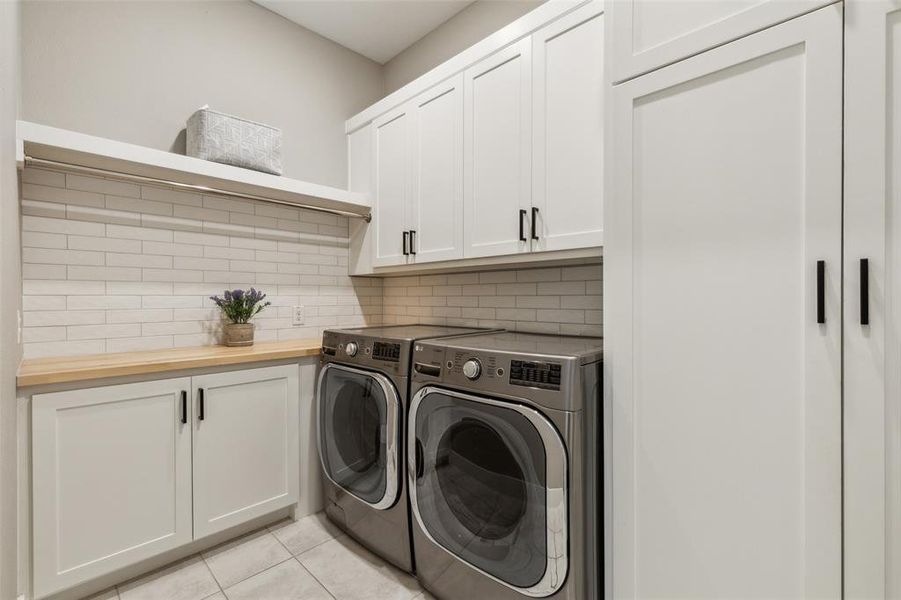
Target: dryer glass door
489	486
358	433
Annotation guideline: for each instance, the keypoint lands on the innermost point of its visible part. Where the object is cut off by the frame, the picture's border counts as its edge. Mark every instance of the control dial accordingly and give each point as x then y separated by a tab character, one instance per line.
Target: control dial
472	368
351	348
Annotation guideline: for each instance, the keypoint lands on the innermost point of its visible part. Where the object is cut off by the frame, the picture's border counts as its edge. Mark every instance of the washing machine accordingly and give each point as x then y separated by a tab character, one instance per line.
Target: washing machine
504	445
362	395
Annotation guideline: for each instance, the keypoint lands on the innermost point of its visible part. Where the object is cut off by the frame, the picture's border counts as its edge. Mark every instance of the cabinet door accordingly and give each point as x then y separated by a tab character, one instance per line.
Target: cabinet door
437	169
111	479
391	185
872	341
568	125
245	445
647	34
725	390
497	153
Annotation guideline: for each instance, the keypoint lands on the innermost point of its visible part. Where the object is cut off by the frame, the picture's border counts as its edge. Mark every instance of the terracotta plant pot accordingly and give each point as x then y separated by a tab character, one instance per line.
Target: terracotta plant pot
239	334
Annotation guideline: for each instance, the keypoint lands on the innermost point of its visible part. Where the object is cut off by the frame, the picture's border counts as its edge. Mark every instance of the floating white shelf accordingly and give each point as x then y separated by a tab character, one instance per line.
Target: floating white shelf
40	143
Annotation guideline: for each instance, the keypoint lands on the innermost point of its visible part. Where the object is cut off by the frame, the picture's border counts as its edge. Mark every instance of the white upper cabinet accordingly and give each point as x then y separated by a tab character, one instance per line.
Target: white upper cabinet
568	129
246	461
647	34
436	211
503	158
497	152
391	188
111	479
722	340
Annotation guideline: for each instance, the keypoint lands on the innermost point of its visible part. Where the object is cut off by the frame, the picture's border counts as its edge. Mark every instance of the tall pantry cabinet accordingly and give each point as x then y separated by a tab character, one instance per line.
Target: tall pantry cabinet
723	322
872	307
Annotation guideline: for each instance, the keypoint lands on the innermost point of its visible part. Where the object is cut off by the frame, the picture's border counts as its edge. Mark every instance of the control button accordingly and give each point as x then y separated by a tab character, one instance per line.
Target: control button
472	368
500	372
351	348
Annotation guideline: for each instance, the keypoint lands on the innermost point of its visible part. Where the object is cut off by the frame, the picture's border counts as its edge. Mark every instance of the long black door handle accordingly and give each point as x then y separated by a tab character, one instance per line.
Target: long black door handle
864	291
184	406
534	222
200	413
821	291
413	242
419	461
406	234
522	231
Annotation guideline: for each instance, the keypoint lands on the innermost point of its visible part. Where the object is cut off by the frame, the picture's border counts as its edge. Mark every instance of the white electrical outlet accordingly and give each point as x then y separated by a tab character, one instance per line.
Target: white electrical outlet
297	316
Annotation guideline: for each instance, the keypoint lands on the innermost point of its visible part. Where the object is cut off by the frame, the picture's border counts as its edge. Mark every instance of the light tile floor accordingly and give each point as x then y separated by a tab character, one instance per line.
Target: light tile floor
309	559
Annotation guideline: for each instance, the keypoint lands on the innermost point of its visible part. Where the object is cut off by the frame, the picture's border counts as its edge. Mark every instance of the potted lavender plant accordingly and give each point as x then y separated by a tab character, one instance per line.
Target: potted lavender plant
239	307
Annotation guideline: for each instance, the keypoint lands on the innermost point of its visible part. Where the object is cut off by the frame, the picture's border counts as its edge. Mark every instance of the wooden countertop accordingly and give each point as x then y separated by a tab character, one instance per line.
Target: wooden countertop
39	371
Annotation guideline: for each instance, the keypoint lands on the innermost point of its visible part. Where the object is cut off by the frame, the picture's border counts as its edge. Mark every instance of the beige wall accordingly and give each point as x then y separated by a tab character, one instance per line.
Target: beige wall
135	71
10	295
464	29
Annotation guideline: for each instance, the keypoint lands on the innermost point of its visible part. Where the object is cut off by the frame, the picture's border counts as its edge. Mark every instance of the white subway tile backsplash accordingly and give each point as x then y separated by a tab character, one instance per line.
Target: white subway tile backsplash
35	239
102	186
61	257
35	271
563	300
113	266
44	177
61	195
79	242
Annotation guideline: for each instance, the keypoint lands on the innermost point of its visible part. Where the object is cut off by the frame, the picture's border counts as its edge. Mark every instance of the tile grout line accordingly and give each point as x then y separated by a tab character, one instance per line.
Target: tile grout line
316	579
213	575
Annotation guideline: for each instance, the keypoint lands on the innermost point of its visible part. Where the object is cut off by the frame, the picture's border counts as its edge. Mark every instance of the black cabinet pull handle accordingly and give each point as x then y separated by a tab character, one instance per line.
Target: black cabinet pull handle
864	291
534	222
200	414
522	232
413	242
419	461
184	406
406	252
821	291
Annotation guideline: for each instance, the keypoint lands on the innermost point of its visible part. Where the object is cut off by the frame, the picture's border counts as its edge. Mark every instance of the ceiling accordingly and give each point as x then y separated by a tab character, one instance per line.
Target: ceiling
377	29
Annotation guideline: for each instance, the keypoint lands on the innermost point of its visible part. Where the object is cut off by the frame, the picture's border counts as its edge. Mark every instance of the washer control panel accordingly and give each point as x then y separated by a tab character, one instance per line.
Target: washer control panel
543	375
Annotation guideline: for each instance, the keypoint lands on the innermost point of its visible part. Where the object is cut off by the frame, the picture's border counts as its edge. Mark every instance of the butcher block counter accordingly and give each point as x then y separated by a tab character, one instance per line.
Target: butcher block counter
41	371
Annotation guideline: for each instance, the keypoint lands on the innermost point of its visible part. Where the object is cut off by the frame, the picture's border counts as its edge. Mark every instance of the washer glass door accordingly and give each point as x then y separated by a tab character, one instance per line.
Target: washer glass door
488	485
358	433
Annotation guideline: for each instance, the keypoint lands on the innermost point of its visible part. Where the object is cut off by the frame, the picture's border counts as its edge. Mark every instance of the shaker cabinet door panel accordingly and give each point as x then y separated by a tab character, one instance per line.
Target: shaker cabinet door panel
648	34
872	340
724	386
497	153
245	445
568	130
437	171
391	187
111	479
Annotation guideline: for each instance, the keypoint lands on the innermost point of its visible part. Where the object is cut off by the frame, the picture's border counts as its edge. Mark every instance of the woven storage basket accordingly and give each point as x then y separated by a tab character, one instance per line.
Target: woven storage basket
234	141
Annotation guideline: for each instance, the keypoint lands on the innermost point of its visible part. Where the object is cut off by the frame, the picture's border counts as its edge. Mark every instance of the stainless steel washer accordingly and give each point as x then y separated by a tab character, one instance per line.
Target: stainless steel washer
504	445
362	398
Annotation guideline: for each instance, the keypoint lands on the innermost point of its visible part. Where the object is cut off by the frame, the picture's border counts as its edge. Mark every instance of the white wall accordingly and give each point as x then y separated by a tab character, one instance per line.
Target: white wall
135	71
471	25
10	294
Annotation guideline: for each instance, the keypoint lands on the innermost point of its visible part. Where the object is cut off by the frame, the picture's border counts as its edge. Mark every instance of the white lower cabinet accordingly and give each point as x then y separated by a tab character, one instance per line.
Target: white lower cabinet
111	479
245	446
723	323
112	467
